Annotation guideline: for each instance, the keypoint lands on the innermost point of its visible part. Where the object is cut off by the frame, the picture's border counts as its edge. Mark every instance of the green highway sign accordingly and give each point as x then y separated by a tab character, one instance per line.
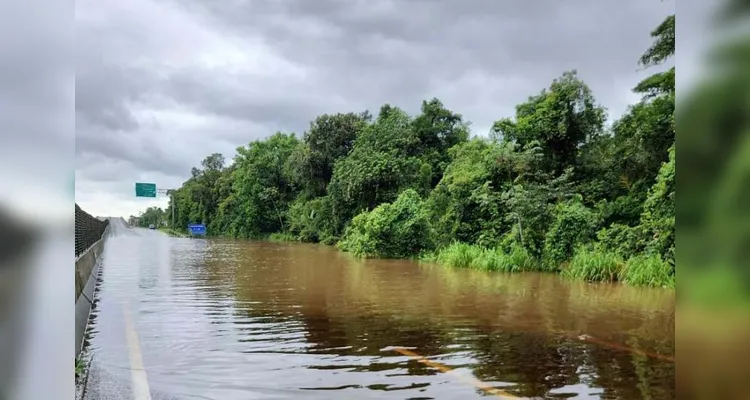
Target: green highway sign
145	189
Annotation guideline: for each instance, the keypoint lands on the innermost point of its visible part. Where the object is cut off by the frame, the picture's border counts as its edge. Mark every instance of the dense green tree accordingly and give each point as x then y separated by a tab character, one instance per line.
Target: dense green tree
329	138
392	230
643	136
437	129
151	216
561	119
640	151
663	48
261	190
658	217
198	199
312	220
379	167
454	207
573	225
530	202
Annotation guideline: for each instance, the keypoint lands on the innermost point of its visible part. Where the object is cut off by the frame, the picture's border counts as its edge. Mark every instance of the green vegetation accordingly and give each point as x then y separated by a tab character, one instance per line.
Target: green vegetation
552	189
151	216
462	255
647	270
398	230
79	367
595	266
281	237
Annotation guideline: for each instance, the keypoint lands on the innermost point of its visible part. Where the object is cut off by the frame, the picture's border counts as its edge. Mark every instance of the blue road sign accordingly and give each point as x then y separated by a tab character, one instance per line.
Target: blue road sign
197	229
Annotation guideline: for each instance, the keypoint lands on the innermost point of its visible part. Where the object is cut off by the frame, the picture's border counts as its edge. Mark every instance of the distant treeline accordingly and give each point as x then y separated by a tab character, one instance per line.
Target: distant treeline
551	189
151	216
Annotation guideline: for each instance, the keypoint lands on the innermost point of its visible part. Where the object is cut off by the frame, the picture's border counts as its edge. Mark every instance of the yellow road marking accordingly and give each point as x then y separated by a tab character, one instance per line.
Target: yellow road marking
442	368
137	372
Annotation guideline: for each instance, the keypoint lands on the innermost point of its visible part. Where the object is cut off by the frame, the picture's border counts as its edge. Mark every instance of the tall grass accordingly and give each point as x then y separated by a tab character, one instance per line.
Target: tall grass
462	255
281	237
458	255
594	266
493	260
649	271
588	264
521	258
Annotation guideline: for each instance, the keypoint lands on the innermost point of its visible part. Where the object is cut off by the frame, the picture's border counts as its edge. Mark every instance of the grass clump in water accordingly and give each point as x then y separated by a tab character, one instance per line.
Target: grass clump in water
458	255
281	237
491	260
594	265
462	255
648	271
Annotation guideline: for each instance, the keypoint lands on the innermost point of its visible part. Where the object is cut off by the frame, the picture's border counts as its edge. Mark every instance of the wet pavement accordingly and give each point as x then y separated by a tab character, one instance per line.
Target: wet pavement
180	318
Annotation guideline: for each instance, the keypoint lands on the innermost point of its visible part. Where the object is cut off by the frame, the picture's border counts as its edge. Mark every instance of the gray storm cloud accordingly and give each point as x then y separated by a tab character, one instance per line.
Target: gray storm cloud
160	85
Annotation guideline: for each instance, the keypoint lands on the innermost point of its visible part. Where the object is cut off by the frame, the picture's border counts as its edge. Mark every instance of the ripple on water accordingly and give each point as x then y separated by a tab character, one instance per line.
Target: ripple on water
223	319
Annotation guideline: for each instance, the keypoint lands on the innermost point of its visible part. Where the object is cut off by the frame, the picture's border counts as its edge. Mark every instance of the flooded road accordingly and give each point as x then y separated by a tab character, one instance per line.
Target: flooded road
179	318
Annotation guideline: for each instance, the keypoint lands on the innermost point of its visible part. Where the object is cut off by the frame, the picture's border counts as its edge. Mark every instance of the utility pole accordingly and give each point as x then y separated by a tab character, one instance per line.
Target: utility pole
169	192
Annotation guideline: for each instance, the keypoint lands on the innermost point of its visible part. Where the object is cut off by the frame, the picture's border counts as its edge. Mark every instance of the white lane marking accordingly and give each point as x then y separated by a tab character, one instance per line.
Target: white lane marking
137	372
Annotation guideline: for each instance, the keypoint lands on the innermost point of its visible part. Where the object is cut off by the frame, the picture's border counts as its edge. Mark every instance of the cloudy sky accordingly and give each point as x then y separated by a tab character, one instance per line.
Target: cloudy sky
161	84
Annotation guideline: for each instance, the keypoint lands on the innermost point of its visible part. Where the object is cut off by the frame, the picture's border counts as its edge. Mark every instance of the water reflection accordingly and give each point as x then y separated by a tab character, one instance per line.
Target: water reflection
519	329
242	320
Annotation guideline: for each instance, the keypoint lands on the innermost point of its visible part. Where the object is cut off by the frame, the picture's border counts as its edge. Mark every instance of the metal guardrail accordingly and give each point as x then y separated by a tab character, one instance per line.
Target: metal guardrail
89	230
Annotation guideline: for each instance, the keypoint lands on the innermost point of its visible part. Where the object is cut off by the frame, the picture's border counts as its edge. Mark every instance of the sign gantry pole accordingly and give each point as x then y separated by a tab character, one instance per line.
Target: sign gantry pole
143	189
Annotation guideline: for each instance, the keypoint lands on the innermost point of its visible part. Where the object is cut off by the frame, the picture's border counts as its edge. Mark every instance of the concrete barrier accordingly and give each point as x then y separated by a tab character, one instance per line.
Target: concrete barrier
87	270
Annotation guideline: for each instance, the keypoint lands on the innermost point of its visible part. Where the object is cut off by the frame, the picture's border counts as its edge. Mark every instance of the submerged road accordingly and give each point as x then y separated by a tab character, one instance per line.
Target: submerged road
179	318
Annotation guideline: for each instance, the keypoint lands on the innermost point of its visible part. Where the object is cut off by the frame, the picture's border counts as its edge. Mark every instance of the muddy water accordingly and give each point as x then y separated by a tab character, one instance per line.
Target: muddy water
221	319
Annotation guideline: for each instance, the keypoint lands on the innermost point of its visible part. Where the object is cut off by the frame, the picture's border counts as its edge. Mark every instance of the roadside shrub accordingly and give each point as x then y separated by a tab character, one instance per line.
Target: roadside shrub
522	259
312	220
392	230
508	240
624	210
621	239
648	271
594	265
574	224
658	217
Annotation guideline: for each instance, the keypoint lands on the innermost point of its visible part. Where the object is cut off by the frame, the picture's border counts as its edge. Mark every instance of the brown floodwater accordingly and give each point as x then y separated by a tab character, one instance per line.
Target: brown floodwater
229	319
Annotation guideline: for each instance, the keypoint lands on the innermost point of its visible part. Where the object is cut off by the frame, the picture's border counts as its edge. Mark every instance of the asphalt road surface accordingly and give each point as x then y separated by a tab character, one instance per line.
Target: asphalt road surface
116	371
